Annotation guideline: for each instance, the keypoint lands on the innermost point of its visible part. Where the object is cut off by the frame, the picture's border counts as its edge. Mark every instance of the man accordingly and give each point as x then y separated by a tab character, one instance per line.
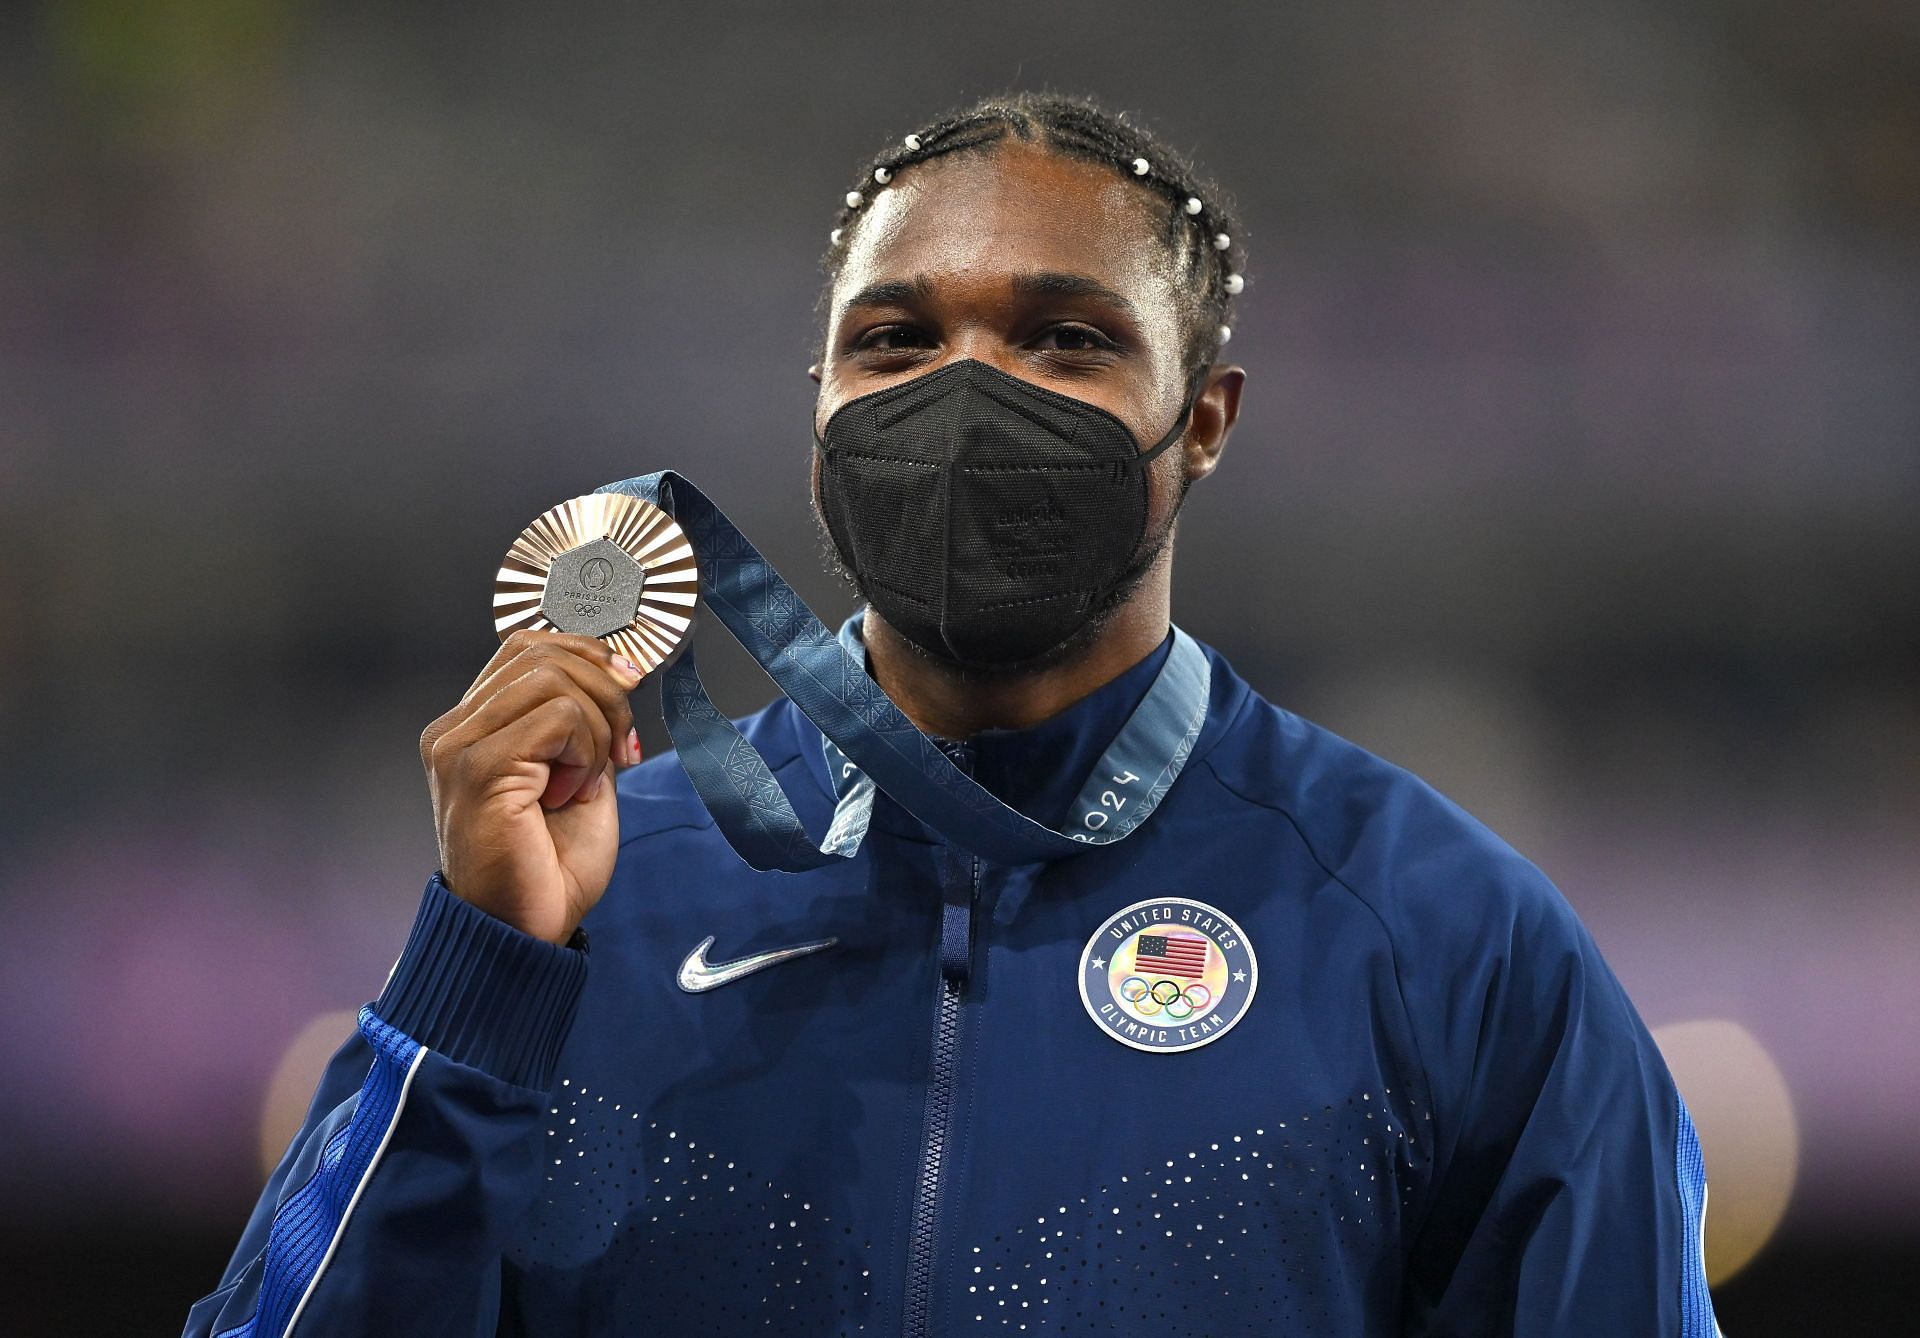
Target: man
1309	1051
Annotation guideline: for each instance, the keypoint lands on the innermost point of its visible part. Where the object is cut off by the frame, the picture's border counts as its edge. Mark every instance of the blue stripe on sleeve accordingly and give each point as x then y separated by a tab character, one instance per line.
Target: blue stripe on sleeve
1696	1302
308	1224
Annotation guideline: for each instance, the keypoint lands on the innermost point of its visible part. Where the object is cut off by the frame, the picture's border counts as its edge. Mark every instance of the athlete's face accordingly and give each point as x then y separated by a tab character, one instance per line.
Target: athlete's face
1048	268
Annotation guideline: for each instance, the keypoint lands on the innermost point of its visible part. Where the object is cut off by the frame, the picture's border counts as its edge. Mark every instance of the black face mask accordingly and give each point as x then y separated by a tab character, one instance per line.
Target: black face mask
983	517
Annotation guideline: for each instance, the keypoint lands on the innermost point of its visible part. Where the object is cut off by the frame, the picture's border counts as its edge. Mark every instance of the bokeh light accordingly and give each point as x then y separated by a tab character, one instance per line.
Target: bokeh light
290	1089
1748	1134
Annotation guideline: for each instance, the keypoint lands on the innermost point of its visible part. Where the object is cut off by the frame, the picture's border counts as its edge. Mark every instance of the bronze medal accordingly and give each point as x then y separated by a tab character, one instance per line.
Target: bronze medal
605	565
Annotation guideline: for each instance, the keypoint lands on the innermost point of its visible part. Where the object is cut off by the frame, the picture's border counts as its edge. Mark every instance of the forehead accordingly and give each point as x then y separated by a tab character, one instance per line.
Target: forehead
1014	208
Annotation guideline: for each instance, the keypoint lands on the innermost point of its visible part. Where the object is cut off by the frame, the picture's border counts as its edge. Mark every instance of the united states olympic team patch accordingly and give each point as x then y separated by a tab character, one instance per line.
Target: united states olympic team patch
1168	974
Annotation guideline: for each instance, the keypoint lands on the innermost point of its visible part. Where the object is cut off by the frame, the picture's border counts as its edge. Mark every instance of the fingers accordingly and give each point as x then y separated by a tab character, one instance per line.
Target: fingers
593	783
589	649
562	730
545	724
589	664
606	685
540	688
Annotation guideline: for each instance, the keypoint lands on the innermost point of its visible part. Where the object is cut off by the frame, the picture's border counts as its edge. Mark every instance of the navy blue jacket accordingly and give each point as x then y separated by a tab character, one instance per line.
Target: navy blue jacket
1439	1114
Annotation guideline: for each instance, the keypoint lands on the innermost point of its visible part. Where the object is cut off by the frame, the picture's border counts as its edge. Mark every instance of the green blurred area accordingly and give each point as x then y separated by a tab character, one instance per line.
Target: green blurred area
167	73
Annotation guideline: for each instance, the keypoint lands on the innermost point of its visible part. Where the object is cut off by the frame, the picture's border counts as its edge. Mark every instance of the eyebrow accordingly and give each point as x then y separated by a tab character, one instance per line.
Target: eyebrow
1042	283
1049	283
893	293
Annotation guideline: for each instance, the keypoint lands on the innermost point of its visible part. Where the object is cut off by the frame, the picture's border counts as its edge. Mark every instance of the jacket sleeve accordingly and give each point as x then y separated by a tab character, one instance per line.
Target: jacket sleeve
420	1153
1569	1191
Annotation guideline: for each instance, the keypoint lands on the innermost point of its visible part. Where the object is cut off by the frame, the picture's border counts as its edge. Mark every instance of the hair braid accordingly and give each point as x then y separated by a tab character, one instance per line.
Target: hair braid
1199	229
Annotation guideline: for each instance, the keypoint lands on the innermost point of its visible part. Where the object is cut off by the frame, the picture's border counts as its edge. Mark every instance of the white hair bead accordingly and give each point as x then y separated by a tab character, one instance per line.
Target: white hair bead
855	199
1220	241
911	141
881	175
1226	333
1140	166
1193	204
1234	284
833	238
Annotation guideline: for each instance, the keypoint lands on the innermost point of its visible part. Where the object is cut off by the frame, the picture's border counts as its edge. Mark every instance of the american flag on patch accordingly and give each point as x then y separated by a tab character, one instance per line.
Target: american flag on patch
1179	953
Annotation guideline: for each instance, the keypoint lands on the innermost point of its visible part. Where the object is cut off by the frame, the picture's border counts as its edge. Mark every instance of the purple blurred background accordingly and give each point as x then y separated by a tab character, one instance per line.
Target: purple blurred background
1579	471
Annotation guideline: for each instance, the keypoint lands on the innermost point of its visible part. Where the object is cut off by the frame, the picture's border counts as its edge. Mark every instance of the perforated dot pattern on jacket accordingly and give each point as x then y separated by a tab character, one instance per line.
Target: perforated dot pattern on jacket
637	1217
1263	1216
648	1219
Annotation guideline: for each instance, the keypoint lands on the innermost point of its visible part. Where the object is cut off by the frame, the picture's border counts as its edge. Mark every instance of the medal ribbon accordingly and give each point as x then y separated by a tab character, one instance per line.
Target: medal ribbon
872	741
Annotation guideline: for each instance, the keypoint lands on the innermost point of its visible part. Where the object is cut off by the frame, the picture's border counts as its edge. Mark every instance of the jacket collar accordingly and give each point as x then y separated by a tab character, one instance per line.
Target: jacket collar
1040	769
1077	736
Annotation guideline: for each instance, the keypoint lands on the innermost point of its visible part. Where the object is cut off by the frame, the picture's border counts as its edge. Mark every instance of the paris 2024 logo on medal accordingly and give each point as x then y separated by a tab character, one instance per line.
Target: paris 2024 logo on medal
1168	974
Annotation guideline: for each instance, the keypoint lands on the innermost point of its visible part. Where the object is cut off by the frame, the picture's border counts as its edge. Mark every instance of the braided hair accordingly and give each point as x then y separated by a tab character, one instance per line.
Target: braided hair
1199	231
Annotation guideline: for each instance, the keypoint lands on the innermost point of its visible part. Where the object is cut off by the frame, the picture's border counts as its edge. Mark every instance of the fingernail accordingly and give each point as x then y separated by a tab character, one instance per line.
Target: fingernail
633	745
591	788
627	670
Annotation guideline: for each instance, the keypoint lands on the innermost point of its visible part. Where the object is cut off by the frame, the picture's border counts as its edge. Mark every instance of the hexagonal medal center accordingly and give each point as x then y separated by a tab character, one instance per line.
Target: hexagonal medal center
594	589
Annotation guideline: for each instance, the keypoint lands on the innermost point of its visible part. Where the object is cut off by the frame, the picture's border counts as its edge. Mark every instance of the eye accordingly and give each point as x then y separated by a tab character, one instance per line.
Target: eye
892	339
1072	337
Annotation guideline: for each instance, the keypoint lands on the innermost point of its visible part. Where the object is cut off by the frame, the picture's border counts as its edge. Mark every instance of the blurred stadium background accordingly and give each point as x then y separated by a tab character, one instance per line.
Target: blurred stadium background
1579	472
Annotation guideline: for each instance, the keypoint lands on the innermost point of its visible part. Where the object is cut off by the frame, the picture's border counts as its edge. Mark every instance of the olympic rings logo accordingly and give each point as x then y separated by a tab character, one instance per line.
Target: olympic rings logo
1149	999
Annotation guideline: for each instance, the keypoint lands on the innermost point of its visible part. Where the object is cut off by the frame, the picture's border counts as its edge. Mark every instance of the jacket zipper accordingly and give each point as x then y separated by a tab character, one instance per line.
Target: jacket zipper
960	886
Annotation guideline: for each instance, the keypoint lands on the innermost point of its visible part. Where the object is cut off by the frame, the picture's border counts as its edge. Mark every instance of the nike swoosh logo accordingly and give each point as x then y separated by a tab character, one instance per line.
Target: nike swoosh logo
697	975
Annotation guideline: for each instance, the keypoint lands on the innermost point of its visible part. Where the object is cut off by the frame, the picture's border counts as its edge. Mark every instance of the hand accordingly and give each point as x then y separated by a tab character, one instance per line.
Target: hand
521	777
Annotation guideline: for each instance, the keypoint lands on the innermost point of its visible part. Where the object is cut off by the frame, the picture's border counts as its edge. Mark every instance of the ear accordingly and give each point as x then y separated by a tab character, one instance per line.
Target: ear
1215	410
